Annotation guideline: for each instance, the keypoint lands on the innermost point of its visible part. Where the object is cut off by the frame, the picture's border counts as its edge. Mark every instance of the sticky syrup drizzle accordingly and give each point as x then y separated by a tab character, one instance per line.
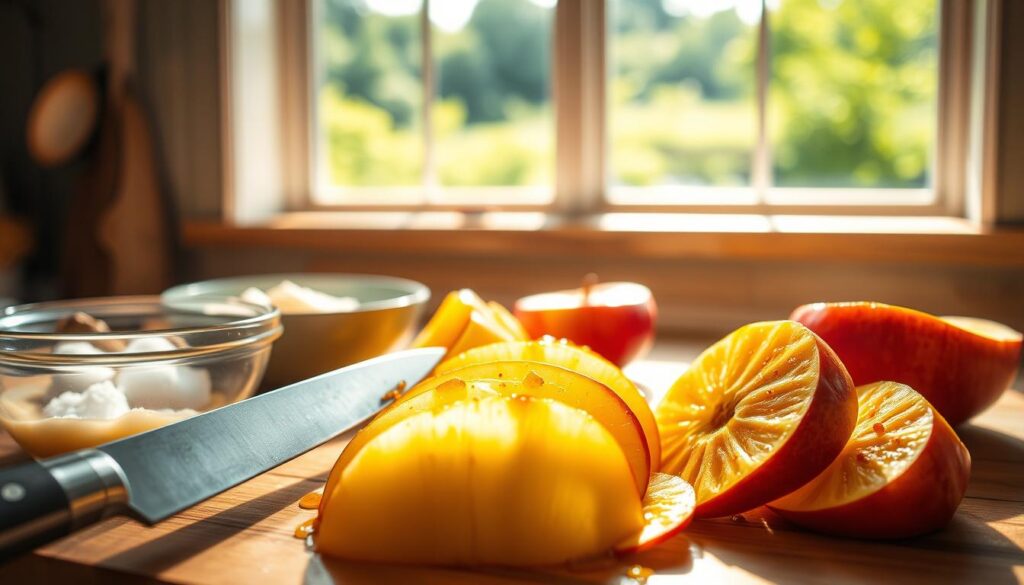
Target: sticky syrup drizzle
639	574
311	501
395	393
307	528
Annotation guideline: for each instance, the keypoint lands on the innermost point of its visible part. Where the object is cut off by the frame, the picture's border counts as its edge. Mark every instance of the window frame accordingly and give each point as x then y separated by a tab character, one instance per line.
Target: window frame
581	184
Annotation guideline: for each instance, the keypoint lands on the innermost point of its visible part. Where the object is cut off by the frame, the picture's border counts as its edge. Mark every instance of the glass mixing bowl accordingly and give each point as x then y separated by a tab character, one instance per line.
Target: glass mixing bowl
62	391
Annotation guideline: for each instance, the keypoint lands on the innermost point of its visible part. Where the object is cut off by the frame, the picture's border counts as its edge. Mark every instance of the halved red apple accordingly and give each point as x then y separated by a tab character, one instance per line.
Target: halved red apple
756	416
960	364
902	474
615	319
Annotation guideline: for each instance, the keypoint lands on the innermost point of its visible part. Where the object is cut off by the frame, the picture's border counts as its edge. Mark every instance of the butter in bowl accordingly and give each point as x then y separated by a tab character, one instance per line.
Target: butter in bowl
76	374
330	320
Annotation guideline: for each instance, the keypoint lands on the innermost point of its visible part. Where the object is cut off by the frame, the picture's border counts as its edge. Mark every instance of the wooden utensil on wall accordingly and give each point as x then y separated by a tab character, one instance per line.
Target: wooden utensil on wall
120	226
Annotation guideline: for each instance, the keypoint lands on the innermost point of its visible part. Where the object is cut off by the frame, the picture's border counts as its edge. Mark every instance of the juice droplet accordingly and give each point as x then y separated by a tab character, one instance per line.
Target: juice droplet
395	393
532	380
306	528
453	385
879	428
639	574
311	501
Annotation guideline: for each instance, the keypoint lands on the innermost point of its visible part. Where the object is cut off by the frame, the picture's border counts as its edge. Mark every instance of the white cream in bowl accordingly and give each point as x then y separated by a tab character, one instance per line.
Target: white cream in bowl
289	297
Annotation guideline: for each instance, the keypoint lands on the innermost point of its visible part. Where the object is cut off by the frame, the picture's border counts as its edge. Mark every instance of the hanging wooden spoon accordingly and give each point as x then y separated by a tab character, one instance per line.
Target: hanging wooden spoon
62	118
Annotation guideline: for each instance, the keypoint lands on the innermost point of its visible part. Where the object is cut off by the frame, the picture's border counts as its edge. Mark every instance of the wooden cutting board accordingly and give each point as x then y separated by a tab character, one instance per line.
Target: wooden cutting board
245	534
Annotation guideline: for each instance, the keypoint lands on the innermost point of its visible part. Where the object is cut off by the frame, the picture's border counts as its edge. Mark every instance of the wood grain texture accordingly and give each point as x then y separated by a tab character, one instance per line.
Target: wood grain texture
693	295
441	233
245	534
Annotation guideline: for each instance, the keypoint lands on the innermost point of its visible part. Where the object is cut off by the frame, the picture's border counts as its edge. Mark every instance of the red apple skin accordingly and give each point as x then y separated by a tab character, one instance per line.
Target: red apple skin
638	547
819	438
922	499
959	372
619	333
649	544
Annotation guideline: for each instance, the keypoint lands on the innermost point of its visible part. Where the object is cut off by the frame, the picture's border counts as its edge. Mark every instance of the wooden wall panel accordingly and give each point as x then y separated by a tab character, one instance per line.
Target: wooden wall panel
1009	170
179	67
699	296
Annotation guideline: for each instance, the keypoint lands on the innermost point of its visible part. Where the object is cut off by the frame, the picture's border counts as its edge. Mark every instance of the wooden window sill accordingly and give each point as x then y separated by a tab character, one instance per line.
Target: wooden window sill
928	240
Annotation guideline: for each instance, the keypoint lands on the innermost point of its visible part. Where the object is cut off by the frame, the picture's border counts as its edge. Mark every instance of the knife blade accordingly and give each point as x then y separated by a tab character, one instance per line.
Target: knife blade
158	473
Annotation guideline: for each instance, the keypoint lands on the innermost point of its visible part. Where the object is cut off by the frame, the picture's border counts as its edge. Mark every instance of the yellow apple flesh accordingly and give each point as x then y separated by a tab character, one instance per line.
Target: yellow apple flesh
563	353
561	384
492	481
449	320
464	321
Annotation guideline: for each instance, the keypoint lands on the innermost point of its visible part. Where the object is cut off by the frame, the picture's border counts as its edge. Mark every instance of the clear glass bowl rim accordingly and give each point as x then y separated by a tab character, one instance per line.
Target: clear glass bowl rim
263	327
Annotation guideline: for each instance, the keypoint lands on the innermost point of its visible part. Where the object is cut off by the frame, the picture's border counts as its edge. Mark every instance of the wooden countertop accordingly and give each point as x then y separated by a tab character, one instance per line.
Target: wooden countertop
245	534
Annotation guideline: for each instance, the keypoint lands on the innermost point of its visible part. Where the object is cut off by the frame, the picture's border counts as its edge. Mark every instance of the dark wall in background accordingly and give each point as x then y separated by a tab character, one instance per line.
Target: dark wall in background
39	38
1010	171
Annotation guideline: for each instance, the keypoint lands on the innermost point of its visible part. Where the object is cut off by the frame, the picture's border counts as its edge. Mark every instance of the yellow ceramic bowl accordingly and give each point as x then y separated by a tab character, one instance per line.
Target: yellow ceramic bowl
314	343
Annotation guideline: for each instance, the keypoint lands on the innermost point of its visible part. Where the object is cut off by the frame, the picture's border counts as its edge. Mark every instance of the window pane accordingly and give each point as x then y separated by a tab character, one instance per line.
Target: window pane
853	92
492	114
681	93
369	92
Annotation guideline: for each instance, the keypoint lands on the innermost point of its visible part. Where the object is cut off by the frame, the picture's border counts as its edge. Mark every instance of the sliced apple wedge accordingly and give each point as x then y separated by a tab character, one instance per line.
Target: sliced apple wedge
564	353
449	320
756	416
508	320
902	474
548	381
482	329
443	396
961	365
464	321
492	481
615	319
668	509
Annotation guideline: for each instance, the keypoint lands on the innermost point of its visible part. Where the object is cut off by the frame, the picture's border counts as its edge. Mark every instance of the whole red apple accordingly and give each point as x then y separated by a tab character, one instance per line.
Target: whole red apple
960	364
615	319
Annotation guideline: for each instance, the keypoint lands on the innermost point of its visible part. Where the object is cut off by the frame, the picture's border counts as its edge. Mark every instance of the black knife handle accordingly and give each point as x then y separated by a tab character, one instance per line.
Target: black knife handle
41	501
33	508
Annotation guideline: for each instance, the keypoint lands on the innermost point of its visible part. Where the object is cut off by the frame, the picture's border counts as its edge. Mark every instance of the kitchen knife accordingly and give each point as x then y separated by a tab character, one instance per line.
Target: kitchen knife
161	472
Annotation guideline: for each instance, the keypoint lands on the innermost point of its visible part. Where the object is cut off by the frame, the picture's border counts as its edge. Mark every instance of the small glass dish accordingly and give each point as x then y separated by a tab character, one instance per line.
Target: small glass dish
62	391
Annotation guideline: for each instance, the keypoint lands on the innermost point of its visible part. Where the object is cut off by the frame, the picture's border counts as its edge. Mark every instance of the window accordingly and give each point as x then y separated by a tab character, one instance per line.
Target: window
789	106
440	101
821	101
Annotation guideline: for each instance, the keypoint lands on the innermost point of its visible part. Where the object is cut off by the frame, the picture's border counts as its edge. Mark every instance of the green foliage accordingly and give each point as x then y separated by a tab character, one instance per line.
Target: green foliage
363	145
681	95
851	102
853	92
675	133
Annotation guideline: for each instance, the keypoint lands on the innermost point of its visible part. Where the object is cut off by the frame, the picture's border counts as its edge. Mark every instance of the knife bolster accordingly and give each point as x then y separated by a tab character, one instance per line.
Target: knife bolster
93	482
